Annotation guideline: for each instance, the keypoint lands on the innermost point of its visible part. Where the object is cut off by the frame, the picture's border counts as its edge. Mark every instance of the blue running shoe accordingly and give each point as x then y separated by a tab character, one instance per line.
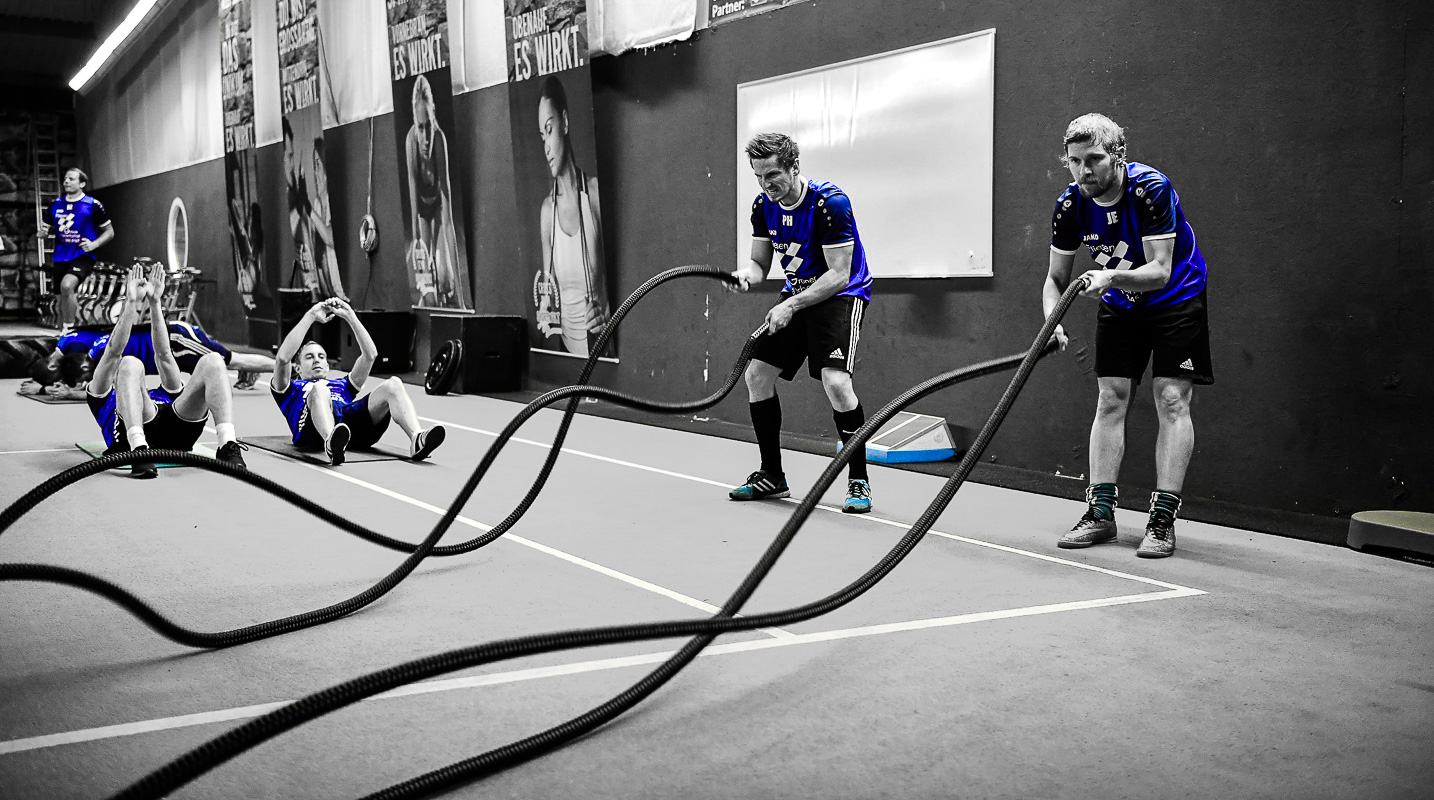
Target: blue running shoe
759	486
858	497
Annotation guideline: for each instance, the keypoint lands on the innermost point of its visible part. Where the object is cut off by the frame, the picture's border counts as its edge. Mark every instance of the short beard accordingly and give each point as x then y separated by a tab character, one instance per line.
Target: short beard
1098	190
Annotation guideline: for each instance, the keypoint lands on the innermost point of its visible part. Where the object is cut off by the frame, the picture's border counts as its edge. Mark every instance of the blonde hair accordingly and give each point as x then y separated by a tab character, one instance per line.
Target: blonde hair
422	94
1096	129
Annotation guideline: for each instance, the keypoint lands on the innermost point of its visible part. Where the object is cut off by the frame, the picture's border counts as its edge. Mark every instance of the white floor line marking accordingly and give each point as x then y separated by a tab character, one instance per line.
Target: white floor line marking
542	548
515	676
866	517
46	450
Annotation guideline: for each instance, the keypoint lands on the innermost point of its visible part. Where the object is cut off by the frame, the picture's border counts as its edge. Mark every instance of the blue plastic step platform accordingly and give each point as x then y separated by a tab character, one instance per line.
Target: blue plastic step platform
1401	530
909	437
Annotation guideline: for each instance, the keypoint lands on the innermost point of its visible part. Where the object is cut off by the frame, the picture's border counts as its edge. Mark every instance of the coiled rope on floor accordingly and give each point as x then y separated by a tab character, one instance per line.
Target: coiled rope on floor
228	745
418	552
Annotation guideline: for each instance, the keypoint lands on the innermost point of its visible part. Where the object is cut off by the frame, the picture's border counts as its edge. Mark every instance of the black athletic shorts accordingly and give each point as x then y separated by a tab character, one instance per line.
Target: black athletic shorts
364	430
80	267
169	431
1178	337
823	335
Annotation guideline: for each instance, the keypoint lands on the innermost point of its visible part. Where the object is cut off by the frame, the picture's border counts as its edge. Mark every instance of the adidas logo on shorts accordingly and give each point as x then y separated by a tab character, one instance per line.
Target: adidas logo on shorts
838	354
1186	364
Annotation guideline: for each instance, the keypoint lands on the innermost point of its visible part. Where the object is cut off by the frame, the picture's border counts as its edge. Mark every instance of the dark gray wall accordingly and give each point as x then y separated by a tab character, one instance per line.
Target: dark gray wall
1298	138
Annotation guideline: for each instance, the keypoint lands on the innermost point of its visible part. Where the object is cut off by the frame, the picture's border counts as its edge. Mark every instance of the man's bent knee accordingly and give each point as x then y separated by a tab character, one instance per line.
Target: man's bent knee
1173	401
212	362
129	367
759	376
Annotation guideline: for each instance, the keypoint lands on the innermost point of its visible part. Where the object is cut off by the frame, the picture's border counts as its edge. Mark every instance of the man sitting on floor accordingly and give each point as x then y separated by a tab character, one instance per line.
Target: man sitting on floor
172	416
331	414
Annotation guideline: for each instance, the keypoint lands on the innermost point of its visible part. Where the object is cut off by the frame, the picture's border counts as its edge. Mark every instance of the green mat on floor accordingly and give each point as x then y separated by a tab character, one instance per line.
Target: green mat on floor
97	449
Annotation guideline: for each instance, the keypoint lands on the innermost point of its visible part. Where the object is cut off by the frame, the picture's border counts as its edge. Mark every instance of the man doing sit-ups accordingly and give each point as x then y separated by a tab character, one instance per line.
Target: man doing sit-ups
171	417
332	415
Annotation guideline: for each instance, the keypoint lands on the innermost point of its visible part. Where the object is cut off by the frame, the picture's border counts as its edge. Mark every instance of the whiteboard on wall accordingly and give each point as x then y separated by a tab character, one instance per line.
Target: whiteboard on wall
908	135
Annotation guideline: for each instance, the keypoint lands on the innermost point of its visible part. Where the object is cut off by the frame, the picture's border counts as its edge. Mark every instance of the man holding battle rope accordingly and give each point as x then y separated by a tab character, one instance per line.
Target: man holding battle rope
818	320
1152	290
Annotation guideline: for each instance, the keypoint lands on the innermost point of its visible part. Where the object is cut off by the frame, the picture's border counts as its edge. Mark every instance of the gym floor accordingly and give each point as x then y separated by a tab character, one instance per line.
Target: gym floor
990	664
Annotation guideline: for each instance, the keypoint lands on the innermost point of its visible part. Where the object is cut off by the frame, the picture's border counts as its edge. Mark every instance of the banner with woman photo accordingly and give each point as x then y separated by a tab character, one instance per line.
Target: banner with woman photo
435	250
315	262
555	172
246	229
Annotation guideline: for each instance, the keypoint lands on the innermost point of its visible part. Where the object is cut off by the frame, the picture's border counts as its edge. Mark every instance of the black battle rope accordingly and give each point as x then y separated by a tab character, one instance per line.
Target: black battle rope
226	746
182	635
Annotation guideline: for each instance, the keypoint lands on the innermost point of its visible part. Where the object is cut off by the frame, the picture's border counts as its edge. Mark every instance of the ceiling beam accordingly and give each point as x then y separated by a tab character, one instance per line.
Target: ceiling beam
18	25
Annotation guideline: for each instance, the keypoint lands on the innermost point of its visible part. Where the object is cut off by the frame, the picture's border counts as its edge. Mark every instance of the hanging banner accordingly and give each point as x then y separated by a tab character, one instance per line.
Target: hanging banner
315	263
555	172
716	12
435	250
246	231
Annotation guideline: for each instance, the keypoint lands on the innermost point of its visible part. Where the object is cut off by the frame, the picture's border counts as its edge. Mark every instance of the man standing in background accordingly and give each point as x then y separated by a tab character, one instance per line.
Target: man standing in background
81	226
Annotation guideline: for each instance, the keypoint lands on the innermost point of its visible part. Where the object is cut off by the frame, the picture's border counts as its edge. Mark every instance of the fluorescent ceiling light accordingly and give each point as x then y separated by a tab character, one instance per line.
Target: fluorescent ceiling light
115	39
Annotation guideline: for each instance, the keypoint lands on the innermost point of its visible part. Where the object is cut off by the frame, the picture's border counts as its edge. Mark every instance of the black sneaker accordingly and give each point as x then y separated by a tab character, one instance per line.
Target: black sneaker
1090	530
337	444
246	380
230	454
426	442
760	485
143	469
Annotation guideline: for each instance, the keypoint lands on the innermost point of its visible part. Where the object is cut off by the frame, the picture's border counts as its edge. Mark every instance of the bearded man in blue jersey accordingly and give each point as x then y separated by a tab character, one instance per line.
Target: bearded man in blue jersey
810	227
1151	284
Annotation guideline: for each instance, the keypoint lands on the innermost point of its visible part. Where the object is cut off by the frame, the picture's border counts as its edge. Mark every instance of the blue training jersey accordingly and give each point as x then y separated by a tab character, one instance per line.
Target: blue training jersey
820	219
79	341
107	413
184	340
73	220
1147	209
295	410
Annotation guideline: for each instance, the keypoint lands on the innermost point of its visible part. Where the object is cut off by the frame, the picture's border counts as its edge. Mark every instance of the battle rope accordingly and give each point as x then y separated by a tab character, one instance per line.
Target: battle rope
226	746
177	633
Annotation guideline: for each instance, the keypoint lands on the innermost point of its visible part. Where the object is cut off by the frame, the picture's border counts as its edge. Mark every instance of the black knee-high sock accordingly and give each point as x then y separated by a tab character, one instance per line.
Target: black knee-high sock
767	423
847	423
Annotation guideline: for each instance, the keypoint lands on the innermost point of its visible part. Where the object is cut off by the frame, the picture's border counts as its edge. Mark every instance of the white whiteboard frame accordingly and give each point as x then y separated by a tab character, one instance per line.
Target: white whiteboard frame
922	193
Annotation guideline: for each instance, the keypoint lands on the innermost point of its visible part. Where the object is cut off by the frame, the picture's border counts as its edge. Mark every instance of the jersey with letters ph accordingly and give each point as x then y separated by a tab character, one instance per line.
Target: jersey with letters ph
821	218
294	408
1148	208
73	220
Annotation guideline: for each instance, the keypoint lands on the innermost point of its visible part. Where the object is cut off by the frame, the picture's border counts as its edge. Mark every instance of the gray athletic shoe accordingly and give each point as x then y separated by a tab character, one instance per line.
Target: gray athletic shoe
1090	530
1159	541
